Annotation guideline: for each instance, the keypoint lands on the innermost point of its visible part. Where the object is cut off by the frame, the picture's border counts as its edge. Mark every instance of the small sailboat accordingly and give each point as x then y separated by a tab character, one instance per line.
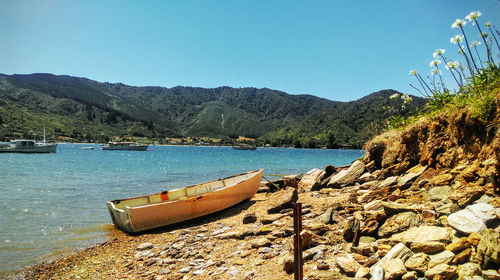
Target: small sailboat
178	205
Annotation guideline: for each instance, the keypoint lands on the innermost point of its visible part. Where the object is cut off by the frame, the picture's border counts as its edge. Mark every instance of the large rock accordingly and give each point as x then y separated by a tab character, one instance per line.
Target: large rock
468	269
374	206
287	262
326	217
488	249
282	200
393	207
444	257
490	274
446	207
441	179
324	275
418	262
347	176
399	251
388	182
410	176
466	222
458	245
347	265
398	223
423	234
443	270
428	247
311	179
410	275
483	211
393	269
439	193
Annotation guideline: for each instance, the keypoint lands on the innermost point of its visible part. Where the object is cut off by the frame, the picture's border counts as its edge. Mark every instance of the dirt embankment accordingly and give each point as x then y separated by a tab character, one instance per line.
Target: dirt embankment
422	203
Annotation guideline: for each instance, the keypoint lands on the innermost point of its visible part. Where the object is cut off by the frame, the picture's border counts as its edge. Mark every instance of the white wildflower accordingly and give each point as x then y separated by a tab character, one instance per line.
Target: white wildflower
452	65
435	71
438	52
473	15
413	72
406	98
435	62
456	39
475	44
394	96
458	23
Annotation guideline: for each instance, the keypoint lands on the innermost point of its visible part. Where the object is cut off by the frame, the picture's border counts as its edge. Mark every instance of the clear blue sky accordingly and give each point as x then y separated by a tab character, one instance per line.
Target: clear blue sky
340	50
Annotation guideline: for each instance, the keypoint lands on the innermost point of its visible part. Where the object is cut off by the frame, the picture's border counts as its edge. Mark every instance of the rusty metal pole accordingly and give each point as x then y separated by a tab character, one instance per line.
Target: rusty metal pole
297	243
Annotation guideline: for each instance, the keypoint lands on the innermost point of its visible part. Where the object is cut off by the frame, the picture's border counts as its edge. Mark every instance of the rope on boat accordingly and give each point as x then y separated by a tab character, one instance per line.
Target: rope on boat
271	183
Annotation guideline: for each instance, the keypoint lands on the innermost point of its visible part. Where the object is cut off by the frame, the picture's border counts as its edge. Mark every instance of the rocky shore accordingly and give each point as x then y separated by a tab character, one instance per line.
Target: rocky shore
423	202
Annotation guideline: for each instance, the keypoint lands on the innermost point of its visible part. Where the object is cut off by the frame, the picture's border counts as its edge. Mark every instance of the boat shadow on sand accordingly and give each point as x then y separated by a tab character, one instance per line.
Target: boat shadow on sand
207	219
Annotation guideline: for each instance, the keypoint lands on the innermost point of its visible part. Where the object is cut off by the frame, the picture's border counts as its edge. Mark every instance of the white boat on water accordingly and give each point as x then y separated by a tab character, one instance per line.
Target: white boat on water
128	146
29	146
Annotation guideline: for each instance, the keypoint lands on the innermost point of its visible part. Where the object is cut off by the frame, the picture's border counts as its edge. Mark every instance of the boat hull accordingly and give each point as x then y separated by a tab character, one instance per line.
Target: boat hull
30	150
170	207
245	148
126	148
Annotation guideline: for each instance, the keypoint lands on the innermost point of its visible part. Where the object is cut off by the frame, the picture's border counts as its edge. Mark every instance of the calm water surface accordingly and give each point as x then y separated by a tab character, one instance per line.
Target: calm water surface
51	203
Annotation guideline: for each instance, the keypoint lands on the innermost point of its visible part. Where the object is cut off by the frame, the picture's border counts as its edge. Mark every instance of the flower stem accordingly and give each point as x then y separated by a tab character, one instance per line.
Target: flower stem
479	58
494	37
468	49
466	58
444	59
490	59
441	79
426	95
422	81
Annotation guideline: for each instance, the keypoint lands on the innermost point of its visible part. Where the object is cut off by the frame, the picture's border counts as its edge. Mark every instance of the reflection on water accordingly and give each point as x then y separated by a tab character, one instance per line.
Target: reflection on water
55	203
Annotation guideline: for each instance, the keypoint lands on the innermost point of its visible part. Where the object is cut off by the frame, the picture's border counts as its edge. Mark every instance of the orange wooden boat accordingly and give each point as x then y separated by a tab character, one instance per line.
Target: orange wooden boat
173	206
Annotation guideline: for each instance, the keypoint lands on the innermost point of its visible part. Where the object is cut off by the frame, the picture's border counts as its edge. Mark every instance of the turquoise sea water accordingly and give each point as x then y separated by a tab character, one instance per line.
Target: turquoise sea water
51	203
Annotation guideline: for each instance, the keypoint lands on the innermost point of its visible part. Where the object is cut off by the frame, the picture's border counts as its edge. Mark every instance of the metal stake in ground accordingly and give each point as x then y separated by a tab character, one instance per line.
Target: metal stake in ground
297	242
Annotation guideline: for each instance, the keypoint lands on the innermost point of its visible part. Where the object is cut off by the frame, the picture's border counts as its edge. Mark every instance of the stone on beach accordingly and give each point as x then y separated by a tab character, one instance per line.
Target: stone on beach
398	223
347	265
144	246
444	257
311	179
347	176
399	251
282	200
466	222
423	234
410	176
418	262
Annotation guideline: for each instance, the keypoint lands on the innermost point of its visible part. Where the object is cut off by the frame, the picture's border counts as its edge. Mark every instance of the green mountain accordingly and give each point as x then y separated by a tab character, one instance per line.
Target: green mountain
348	124
86	110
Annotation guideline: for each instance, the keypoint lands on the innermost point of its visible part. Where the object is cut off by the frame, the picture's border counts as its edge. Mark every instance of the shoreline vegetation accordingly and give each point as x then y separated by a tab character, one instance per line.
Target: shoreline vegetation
423	202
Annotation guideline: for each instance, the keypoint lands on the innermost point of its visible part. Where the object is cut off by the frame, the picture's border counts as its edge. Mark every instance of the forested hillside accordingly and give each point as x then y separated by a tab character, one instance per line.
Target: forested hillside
348	124
80	109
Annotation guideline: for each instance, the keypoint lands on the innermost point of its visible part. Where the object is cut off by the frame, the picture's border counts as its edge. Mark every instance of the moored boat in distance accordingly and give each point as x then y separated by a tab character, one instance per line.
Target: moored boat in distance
28	146
245	147
178	205
127	146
